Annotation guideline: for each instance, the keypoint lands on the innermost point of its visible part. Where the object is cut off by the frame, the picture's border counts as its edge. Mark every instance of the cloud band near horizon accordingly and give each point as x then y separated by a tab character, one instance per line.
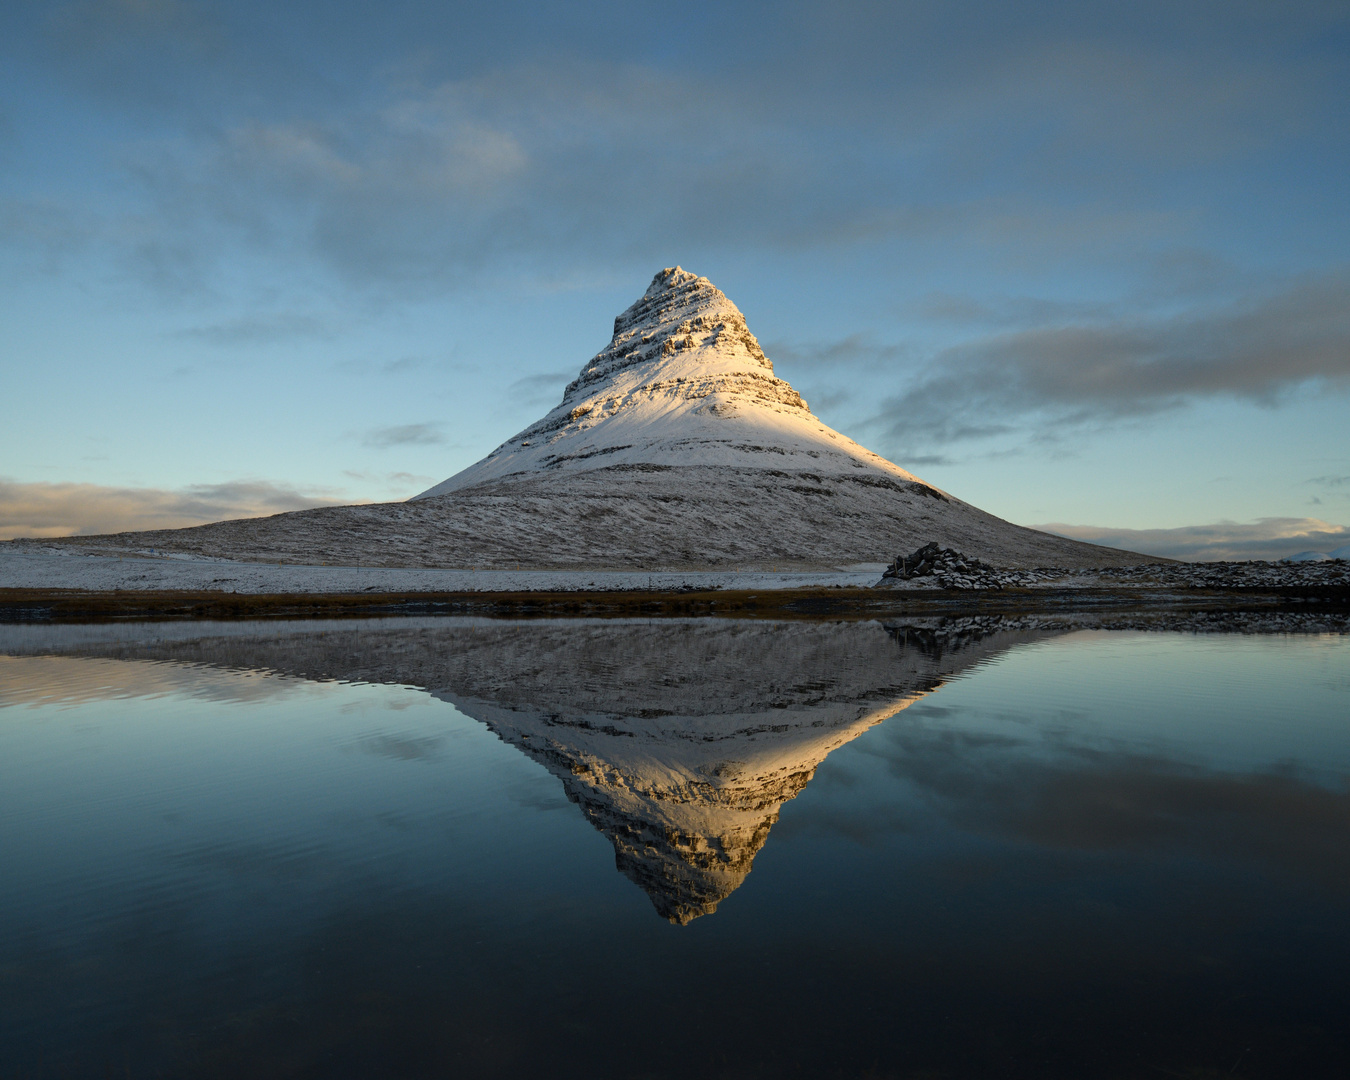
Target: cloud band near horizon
46	510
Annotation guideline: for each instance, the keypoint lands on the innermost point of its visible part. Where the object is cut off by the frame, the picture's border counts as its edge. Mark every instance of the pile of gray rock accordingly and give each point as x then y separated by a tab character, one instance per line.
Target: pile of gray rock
950	568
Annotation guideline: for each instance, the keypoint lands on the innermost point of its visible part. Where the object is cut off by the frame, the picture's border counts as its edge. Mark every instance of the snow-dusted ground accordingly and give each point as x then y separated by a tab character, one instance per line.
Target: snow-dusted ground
74	570
26	568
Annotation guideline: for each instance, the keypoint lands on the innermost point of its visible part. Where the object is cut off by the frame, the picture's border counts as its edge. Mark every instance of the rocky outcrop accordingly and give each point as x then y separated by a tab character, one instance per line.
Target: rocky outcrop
683	313
946	564
946	568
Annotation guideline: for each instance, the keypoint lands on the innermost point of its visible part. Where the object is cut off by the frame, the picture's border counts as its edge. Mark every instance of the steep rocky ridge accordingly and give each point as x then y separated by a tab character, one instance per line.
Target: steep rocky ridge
682	383
680	740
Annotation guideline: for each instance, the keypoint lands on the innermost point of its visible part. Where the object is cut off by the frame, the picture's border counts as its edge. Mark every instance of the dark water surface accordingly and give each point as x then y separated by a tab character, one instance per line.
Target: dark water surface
698	848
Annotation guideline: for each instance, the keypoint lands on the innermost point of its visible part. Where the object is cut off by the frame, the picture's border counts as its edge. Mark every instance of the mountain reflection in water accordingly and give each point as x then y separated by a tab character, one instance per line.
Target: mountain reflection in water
999	848
680	740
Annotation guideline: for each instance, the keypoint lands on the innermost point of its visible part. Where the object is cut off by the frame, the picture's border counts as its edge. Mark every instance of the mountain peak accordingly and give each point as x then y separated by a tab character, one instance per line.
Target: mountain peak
682	381
683	322
673	277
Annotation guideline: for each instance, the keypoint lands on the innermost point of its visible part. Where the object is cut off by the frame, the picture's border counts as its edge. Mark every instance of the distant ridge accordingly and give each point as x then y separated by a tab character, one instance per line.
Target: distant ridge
676	447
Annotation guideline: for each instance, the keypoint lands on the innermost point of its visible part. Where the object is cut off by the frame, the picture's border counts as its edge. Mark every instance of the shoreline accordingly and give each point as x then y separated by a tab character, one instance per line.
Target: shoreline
50	587
19	605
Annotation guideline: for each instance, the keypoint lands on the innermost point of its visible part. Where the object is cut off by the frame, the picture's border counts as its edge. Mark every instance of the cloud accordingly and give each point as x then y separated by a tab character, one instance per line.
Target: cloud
45	230
1072	373
404	435
543	381
435	182
43	509
542	388
855	349
403	365
1267	538
104	25
597	158
261	329
391	485
1003	311
388	478
424	146
1090	799
105	45
928	459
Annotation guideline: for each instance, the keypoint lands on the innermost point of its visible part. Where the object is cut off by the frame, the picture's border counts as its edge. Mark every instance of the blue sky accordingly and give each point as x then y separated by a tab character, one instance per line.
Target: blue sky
1078	264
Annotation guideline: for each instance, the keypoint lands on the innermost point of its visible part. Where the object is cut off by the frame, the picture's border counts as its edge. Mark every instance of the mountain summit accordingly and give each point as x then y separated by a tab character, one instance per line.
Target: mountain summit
683	382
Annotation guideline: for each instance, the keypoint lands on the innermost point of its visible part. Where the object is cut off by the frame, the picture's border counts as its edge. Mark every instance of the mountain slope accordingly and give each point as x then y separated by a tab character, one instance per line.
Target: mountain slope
675	448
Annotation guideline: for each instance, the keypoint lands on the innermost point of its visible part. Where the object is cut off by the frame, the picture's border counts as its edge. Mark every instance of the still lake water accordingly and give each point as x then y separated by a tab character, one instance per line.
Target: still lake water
678	848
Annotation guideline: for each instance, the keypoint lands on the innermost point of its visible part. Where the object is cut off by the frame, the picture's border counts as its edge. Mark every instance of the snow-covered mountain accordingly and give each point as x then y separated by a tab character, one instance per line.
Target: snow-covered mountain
682	383
676	448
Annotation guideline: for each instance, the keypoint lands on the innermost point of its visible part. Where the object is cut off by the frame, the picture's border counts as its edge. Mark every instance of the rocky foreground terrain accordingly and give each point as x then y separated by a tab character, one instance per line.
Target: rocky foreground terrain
676	448
932	566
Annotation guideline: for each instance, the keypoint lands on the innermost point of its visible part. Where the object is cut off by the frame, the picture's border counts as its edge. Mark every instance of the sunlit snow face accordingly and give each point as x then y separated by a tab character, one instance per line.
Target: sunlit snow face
682	383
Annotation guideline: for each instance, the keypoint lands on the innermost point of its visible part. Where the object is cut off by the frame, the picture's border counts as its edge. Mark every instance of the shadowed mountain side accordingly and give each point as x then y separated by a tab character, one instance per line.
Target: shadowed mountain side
679	739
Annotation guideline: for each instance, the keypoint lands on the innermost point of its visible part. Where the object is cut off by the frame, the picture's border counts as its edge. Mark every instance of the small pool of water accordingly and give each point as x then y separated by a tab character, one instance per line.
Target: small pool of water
672	848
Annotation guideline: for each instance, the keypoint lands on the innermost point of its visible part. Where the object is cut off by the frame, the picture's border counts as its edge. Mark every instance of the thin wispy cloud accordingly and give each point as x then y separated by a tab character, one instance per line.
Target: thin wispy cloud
540	389
393	483
1006	311
544	380
404	435
1266	538
853	350
46	228
261	329
403	365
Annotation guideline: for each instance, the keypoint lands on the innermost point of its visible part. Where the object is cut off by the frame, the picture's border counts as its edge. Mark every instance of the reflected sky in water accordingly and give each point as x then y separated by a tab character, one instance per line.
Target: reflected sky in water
840	851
